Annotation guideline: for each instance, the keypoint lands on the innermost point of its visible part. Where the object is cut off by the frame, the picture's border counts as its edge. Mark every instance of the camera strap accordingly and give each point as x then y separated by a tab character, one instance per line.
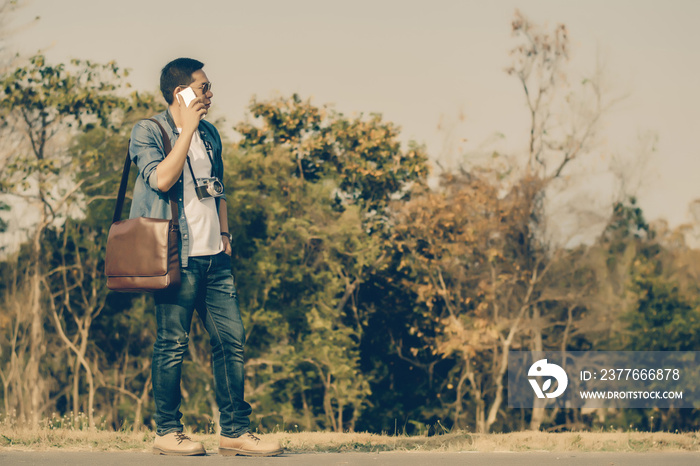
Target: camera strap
194	178
208	148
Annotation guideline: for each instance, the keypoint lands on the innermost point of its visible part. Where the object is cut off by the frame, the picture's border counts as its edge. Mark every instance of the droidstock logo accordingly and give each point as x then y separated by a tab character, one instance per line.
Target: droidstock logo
543	369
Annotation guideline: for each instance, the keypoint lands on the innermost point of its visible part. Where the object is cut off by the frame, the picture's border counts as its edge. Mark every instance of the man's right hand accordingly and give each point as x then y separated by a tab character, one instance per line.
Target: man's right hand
191	116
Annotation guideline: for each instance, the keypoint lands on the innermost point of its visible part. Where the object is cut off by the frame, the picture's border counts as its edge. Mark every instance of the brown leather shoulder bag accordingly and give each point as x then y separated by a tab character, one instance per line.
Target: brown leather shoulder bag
143	253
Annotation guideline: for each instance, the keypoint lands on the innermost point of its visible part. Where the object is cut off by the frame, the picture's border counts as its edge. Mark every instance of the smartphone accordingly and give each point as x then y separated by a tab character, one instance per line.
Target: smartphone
187	95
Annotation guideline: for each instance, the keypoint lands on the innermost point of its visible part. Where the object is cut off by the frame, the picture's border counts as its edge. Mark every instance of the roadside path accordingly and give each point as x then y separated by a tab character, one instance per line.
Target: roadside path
82	458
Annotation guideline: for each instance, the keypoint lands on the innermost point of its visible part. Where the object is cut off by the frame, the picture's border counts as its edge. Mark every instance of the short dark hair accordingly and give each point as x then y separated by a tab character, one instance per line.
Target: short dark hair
176	73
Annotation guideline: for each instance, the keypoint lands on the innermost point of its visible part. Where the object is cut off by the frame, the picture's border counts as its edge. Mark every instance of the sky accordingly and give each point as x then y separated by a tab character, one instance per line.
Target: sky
435	68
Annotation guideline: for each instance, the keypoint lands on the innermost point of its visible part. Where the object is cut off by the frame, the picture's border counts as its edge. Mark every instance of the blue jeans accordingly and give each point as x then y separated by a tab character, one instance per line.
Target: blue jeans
207	285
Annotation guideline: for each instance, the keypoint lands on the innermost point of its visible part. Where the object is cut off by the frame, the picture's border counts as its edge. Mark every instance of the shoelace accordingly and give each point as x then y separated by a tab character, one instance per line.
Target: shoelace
257	440
181	437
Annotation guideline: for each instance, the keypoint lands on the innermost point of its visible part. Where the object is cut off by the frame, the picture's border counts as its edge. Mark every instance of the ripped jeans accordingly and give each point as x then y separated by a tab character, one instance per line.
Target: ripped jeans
207	285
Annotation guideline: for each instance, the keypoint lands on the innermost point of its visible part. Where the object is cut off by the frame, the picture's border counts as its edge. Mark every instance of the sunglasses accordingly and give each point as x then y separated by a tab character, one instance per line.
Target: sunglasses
206	87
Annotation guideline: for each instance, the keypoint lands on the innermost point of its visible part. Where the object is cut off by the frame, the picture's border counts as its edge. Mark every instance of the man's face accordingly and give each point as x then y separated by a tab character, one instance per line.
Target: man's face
200	82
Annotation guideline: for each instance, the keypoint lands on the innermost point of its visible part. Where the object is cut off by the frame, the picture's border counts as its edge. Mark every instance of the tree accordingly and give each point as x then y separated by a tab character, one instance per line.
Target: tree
47	104
664	318
363	157
307	244
302	351
478	251
648	282
75	285
461	244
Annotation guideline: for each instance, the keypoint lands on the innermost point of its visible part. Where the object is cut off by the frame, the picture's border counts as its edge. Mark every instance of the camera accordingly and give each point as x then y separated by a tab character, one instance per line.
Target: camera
208	187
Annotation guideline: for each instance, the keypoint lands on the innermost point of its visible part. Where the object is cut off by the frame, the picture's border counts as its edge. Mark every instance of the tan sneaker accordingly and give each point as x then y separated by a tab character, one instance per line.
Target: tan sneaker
248	445
177	443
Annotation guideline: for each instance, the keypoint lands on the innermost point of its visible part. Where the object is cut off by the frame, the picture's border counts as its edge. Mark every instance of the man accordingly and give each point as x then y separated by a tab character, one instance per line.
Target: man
205	249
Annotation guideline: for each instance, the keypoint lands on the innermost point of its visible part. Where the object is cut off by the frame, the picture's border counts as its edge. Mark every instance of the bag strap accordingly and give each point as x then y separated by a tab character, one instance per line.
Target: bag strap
125	180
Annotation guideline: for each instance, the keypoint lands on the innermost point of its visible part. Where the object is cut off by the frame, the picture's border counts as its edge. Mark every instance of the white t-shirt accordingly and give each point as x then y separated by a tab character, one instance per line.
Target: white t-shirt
202	217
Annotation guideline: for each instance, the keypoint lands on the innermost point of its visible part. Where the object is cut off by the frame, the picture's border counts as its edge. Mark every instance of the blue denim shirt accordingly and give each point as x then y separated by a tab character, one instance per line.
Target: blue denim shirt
147	151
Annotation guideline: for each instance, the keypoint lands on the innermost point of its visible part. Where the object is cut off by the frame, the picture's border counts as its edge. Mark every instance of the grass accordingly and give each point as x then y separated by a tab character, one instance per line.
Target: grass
18	438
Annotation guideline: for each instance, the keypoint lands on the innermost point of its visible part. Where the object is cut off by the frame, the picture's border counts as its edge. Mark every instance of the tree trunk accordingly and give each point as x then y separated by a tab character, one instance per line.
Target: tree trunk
327	405
32	376
308	417
480	420
538	411
340	416
498	399
459	393
76	388
138	415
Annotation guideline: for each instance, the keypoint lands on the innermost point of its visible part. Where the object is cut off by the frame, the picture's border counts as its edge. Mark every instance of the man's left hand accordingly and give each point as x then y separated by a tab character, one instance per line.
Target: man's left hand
227	246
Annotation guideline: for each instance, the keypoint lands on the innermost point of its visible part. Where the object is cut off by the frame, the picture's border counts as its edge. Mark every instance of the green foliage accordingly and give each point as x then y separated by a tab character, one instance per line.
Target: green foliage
97	159
292	251
363	157
3	224
664	318
44	107
53	92
627	222
45	101
310	188
659	308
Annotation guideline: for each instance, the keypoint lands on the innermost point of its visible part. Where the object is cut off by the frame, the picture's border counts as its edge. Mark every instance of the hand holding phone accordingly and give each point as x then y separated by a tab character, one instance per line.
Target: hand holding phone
187	95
